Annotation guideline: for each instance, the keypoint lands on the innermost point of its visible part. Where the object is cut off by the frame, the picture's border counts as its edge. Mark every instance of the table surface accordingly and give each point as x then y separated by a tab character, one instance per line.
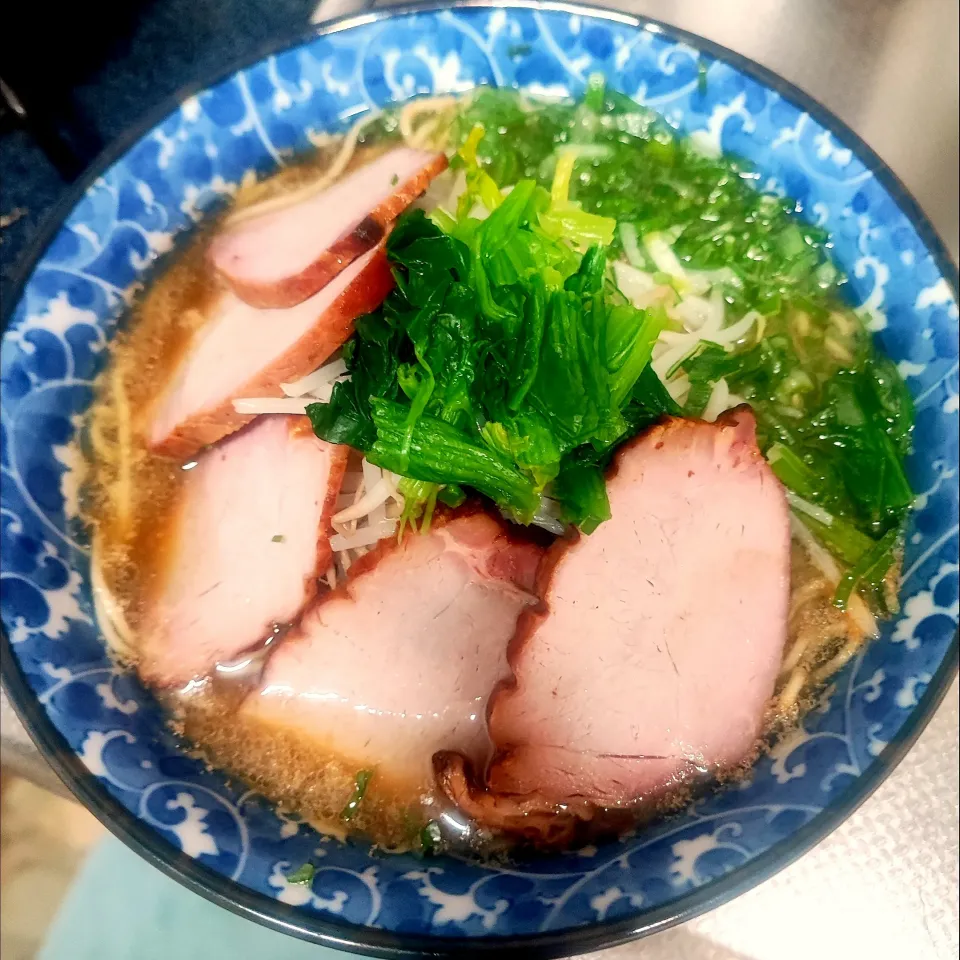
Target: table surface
885	883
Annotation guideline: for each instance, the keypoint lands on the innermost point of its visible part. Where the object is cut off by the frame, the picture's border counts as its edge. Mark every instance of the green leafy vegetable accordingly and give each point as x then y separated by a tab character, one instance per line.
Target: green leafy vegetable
507	361
582	491
500	352
361	782
838	412
628	347
649	401
837	435
440	454
703	368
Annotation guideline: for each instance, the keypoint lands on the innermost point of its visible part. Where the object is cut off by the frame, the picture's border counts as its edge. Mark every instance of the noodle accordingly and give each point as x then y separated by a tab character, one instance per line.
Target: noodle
839	661
336	168
373	498
801	596
797	650
417	138
108	610
816	625
791	692
104	450
122	489
420	138
861	615
837	350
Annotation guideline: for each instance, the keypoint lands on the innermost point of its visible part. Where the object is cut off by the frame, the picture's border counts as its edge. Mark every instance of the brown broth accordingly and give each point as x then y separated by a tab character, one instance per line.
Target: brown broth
299	774
144	356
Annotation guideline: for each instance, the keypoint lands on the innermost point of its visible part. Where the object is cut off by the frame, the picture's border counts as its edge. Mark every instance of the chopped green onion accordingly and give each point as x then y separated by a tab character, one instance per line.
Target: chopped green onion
567	221
871	568
692	352
594	94
303	875
431	839
701	76
810	509
665	260
442	219
792	472
630	241
845	541
560	188
361	782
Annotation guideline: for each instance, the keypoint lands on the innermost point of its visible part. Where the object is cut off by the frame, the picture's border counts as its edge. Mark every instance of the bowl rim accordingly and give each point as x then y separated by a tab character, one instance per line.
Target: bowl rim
354	938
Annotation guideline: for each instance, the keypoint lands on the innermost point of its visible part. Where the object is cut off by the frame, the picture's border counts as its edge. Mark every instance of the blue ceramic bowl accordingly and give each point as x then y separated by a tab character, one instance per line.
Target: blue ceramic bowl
103	731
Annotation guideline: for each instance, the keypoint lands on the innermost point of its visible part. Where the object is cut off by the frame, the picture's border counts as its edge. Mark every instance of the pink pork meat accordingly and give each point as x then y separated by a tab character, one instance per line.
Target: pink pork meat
242	351
654	651
283	256
399	662
248	539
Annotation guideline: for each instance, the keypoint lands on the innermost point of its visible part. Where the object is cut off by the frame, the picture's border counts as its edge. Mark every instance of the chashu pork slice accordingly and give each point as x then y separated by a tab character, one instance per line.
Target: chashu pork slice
286	254
654	651
242	351
249	536
399	662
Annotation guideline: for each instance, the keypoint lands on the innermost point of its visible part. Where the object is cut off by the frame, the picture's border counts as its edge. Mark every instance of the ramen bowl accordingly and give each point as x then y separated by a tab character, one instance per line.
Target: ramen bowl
104	733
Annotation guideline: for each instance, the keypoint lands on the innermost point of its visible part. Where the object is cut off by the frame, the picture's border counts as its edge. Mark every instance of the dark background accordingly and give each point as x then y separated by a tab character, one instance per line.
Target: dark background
85	73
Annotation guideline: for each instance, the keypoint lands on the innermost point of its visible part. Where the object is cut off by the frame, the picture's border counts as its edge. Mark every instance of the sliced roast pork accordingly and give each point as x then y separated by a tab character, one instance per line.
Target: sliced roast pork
283	256
399	662
242	351
653	653
248	538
